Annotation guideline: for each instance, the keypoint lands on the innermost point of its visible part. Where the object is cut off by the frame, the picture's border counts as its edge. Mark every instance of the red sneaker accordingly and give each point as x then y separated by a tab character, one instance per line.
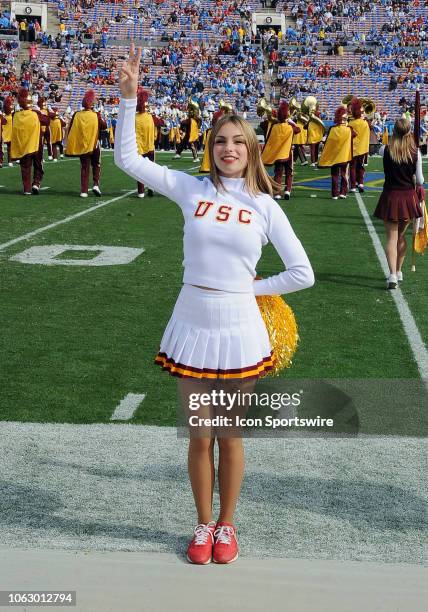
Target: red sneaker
225	543
200	549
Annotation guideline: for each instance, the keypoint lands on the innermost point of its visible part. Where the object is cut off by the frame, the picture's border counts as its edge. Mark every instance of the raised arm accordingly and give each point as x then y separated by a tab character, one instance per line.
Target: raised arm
173	184
299	273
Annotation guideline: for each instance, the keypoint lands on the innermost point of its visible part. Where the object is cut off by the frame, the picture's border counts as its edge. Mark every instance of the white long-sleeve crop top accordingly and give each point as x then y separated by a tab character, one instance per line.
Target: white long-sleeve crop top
224	232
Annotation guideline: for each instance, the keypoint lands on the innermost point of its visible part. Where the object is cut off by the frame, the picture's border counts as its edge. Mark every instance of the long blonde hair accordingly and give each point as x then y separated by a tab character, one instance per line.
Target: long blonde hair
257	180
402	147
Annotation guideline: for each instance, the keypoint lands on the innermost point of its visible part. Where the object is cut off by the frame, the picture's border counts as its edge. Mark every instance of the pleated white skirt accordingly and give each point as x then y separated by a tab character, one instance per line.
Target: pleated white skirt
215	334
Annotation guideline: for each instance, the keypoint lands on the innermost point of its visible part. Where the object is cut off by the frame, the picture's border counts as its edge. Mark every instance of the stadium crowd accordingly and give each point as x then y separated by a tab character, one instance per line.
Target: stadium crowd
326	42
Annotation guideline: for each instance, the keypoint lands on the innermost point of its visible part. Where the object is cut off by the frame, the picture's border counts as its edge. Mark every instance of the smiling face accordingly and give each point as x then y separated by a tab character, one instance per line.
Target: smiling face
230	151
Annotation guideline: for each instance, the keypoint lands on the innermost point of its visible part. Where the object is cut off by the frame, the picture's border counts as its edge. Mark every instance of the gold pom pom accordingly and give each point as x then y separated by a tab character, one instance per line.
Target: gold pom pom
282	329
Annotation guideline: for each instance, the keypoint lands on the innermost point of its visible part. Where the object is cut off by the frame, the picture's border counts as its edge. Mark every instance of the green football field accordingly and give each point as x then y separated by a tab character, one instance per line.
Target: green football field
77	339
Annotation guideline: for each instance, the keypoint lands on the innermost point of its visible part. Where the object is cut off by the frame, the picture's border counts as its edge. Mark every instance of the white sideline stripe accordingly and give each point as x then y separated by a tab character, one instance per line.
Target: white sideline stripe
411	330
127	407
5	245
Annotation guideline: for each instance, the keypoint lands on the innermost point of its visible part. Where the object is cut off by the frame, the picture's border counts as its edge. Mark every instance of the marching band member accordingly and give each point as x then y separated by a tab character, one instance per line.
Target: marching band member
46	133
224	109
315	128
112	128
190	130
174	135
57	126
263	108
278	148
385	136
83	141
26	142
7	129
337	153
165	131
205	165
299	140
3	121
360	145
145	124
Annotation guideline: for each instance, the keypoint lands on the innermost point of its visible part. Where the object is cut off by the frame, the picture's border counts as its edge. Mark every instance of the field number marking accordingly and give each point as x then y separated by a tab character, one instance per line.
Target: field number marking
106	255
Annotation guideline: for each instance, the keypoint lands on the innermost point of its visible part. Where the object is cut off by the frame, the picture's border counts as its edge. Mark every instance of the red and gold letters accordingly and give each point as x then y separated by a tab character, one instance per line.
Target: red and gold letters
224	212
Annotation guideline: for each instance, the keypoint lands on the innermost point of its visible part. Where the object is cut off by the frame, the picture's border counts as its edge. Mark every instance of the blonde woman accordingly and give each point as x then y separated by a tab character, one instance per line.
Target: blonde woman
216	333
399	202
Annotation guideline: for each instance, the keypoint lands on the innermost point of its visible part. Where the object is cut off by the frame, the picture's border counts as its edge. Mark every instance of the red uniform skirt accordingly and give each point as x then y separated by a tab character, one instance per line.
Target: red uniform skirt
399	205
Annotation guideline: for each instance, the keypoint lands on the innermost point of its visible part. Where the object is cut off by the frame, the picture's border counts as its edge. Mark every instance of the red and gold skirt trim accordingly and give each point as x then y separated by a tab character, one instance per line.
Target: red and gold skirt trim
185	371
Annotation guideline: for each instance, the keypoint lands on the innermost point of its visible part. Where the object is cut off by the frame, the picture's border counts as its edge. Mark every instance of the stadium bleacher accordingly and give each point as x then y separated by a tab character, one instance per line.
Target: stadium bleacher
365	30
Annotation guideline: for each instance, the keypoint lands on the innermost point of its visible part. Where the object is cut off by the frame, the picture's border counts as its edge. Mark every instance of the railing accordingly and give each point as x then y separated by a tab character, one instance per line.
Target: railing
9	34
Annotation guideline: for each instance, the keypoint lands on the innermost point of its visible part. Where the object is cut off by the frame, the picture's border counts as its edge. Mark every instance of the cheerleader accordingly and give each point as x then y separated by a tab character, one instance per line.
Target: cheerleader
399	202
216	332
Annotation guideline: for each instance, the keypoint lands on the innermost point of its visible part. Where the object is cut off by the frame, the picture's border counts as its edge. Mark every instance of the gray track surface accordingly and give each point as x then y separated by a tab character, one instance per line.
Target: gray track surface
150	582
123	487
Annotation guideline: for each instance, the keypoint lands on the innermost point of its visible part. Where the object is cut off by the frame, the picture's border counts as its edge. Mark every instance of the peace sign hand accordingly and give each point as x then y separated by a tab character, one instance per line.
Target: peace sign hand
129	73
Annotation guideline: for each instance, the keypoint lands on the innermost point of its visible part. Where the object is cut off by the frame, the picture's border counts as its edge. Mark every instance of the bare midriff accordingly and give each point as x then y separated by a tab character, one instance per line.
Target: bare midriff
209	288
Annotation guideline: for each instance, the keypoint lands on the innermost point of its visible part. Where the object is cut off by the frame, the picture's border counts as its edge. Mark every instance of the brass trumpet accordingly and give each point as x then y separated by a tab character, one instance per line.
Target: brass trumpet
309	108
295	108
193	109
347	100
226	107
299	112
310	104
263	108
369	107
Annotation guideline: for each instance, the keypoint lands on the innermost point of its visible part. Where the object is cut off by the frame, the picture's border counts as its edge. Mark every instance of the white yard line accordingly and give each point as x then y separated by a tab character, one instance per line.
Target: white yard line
40	230
127	407
411	330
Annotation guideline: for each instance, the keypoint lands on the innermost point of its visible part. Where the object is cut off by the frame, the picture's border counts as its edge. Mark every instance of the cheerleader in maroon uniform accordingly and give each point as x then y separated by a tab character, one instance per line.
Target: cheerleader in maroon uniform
399	202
